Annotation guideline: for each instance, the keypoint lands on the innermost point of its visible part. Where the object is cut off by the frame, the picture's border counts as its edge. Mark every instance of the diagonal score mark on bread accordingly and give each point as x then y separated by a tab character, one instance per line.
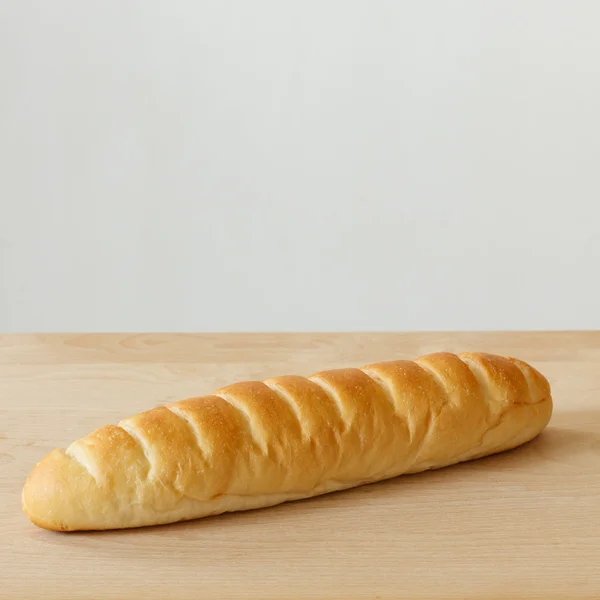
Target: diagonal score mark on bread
389	397
255	444
190	423
138	437
289	400
332	394
77	453
256	437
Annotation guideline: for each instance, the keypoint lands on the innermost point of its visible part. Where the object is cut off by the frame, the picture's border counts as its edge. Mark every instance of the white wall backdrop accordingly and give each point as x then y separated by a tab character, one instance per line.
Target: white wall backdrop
316	165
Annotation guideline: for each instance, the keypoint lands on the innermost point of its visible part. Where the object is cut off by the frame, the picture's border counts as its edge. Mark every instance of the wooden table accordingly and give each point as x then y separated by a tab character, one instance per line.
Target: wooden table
524	524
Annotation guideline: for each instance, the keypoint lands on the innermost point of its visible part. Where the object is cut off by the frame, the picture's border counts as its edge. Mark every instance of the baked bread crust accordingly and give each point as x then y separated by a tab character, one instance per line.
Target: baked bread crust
256	444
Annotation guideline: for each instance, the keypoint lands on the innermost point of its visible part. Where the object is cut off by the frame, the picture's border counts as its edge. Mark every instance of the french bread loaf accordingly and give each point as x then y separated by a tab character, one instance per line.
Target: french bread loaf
256	444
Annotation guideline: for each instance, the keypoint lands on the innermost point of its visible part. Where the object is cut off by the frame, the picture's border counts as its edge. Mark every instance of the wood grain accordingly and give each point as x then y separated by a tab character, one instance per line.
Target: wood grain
524	524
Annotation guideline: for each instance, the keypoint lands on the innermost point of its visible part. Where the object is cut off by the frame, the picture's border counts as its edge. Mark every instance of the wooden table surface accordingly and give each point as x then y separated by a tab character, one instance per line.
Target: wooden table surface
524	524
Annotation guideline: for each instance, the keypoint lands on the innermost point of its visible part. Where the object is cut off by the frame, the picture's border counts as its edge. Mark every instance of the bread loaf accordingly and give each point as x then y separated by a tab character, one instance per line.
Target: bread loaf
257	444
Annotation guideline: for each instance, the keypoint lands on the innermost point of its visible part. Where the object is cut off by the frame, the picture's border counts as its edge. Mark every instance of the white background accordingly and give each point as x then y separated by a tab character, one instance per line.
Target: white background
315	165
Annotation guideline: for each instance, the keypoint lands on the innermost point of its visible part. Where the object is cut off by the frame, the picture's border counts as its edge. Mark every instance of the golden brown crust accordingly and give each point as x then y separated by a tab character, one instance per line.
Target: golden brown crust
255	444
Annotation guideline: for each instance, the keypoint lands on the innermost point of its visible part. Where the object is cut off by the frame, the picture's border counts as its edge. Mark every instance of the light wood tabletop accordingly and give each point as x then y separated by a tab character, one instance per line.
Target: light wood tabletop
522	524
